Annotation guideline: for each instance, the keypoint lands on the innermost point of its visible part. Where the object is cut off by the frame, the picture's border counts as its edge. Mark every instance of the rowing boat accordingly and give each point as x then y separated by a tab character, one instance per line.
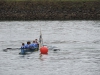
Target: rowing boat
28	51
25	51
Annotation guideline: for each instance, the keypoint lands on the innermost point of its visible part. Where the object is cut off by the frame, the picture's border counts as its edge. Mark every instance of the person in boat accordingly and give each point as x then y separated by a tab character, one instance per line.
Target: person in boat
27	46
34	45
36	41
23	48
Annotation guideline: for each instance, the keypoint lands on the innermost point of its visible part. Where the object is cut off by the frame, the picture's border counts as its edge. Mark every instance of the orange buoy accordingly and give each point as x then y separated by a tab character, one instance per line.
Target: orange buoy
44	50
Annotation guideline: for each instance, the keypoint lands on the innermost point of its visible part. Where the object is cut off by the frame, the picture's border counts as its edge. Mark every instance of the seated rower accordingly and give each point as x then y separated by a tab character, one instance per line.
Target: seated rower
22	48
36	41
27	46
34	45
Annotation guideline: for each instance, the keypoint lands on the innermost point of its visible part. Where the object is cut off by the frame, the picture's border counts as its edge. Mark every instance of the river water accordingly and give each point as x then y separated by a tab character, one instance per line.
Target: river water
78	41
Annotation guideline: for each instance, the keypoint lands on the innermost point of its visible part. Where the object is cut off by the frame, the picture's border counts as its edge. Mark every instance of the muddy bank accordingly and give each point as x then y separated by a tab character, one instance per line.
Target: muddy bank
38	10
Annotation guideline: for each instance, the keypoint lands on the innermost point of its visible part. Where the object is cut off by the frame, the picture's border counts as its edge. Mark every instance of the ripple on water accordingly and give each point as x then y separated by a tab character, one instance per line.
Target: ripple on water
78	42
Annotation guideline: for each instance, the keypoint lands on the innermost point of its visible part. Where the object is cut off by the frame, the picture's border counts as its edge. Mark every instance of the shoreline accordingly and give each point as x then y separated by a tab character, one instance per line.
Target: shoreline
46	10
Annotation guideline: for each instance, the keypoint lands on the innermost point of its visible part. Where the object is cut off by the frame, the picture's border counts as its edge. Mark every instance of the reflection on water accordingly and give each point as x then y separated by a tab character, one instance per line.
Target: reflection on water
74	48
43	56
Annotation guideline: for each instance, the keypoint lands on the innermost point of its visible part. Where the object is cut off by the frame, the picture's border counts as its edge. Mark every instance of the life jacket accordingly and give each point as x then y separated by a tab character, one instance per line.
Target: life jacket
34	45
23	47
27	46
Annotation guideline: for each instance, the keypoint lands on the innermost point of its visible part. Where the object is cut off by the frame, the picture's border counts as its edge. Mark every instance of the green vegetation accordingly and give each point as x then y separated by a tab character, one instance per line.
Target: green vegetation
52	0
50	10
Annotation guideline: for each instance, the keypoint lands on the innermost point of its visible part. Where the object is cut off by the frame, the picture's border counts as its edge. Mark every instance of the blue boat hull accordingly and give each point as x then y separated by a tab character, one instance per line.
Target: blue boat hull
27	51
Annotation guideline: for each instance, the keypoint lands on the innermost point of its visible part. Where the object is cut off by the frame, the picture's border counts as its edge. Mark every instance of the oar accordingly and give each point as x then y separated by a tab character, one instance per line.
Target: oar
13	48
10	49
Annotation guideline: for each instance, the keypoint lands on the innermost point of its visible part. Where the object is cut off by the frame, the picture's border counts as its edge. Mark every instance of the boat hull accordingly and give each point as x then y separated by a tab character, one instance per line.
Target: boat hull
28	51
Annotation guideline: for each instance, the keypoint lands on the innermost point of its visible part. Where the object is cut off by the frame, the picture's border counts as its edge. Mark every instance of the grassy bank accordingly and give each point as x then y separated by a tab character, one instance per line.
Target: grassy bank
50	10
51	0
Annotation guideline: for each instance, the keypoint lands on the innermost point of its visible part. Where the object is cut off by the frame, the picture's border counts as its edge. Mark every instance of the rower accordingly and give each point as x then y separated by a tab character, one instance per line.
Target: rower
36	41
27	46
22	48
34	45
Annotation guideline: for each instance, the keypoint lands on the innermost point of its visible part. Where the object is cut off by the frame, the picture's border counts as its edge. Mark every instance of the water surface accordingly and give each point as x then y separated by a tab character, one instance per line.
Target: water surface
78	41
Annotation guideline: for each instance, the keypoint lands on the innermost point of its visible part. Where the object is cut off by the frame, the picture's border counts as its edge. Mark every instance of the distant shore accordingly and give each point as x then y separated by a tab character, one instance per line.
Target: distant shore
49	10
